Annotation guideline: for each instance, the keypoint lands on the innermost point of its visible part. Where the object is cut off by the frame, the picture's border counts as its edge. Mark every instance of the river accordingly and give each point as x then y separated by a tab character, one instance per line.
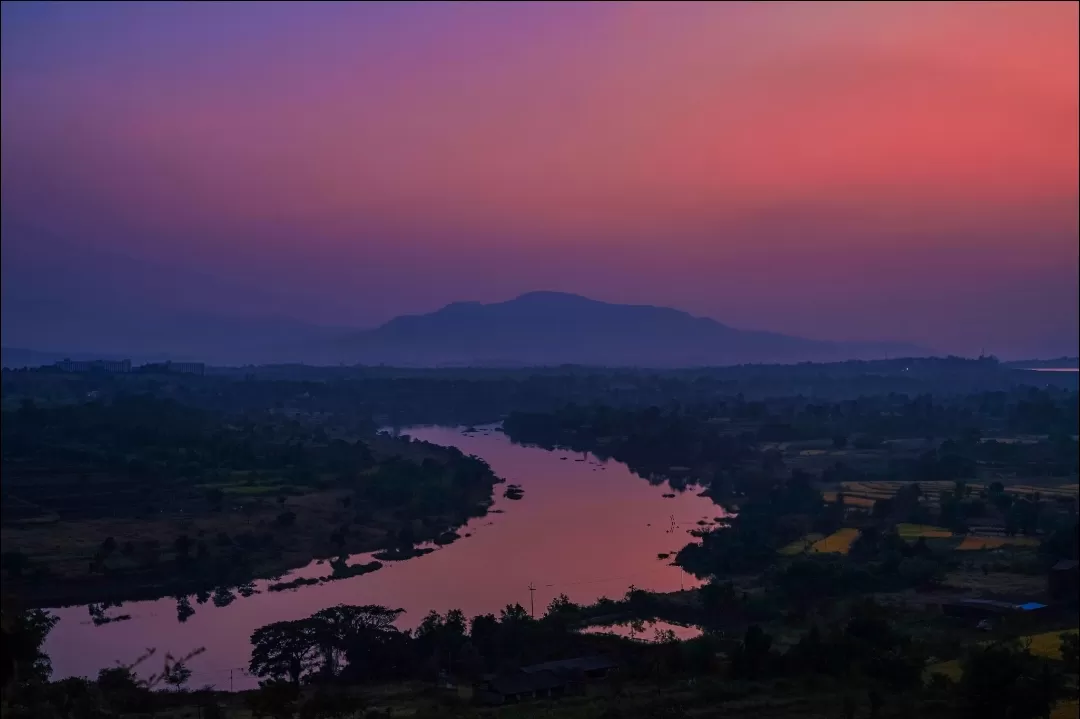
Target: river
585	527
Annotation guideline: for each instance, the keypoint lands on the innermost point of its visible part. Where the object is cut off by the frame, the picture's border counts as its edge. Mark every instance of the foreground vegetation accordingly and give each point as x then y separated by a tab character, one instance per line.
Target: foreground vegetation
350	661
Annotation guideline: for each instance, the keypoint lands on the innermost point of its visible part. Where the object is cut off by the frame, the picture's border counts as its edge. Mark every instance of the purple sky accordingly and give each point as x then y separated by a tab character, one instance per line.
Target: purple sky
832	170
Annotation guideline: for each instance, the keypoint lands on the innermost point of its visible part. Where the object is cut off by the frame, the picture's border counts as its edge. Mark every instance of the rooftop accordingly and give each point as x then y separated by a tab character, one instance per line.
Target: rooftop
579	664
521	682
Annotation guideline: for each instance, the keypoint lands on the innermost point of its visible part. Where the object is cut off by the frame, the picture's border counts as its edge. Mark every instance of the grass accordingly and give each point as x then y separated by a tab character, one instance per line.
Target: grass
914	531
849	500
1066	710
839	541
951	669
1048	644
801	545
932	490
976	543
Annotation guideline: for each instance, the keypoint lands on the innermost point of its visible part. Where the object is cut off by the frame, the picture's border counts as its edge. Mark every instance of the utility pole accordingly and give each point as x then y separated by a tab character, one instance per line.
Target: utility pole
230	680
532	602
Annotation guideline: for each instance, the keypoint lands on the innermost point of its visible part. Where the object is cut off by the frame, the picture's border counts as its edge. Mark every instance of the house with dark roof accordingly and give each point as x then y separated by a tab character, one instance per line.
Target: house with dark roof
990	609
547	679
594	667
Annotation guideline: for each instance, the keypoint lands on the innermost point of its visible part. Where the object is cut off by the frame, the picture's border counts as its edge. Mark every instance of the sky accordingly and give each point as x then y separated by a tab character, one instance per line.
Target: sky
846	171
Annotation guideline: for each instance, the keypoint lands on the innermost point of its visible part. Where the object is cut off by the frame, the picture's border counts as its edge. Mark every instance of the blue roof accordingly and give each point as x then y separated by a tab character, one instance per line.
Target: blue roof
1032	605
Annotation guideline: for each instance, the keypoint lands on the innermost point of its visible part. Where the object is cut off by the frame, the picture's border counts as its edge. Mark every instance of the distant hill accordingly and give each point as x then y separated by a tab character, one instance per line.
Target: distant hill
1058	363
115	306
553	328
17	357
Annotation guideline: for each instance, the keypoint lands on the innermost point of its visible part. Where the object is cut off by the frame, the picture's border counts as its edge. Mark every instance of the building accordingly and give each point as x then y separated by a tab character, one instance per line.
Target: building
980	609
548	679
1064	580
595	667
518	686
186	367
113	366
175	367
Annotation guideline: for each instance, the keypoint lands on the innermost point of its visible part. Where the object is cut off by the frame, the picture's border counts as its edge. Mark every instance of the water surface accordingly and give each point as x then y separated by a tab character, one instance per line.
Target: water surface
585	527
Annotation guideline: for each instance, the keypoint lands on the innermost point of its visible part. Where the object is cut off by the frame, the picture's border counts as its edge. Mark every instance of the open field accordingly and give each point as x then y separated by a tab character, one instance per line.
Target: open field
839	541
850	500
1066	710
951	669
1048	644
801	545
875	490
973	543
914	531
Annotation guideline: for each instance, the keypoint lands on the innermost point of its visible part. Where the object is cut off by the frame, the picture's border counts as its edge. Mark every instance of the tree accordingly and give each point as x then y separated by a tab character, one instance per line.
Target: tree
1005	681
876	701
184	610
716	595
24	635
275	698
513	613
484	634
14	562
1063	543
182	545
1070	651
285	650
176	674
353	632
752	657
562	610
469	661
215	497
121	691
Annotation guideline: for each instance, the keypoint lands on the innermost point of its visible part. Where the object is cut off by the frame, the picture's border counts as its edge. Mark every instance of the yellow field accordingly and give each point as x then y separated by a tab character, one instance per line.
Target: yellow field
951	669
933	490
1066	710
837	542
1048	644
849	500
914	531
973	543
801	545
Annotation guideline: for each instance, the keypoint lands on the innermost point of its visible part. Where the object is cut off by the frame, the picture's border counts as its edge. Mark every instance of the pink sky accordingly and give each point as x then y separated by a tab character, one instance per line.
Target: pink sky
836	170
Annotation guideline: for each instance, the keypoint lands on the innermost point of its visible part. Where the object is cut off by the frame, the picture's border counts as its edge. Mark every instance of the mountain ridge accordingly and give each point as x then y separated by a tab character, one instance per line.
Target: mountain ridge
547	327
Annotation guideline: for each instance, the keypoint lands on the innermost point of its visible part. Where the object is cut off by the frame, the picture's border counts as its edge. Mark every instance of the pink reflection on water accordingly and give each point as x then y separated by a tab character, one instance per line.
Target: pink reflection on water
584	528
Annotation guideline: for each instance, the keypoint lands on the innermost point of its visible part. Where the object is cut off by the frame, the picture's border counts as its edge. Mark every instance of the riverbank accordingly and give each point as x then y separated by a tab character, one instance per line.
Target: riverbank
254	529
549	538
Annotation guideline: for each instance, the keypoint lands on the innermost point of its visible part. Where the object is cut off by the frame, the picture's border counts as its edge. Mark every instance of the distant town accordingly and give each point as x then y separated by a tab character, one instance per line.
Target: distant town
125	366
